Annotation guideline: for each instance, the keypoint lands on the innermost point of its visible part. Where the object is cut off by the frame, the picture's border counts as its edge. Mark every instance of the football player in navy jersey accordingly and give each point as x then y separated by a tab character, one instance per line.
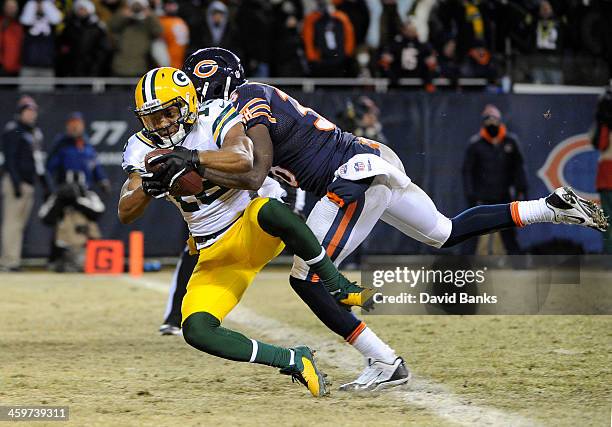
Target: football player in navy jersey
359	182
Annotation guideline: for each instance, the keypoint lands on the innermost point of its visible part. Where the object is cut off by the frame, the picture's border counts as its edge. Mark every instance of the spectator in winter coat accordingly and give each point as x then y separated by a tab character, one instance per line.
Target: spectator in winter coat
288	59
11	39
84	46
175	33
493	170
133	29
23	165
38	55
329	41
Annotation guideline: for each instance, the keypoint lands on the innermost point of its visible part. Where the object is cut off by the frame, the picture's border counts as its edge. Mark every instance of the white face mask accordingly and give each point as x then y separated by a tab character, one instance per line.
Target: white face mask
176	139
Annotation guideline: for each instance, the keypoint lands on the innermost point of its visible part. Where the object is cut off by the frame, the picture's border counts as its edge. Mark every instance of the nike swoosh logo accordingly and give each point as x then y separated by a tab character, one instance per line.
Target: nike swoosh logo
579	219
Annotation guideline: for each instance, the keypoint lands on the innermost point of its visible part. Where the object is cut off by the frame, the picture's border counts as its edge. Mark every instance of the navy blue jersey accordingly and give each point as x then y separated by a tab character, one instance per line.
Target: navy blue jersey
308	148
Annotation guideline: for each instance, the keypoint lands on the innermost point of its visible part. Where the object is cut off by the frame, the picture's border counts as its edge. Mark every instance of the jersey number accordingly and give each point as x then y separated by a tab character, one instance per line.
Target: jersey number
210	193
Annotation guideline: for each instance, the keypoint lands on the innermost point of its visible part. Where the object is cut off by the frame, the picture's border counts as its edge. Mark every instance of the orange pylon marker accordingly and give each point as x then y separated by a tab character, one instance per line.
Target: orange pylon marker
136	253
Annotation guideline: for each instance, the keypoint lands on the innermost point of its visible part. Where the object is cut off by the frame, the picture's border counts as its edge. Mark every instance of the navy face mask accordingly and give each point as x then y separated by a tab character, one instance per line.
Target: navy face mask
492	130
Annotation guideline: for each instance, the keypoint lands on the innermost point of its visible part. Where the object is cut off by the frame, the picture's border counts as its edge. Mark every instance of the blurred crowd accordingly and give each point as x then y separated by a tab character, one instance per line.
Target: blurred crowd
535	39
67	177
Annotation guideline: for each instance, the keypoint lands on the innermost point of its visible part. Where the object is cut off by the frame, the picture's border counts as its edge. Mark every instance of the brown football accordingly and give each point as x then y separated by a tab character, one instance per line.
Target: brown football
186	185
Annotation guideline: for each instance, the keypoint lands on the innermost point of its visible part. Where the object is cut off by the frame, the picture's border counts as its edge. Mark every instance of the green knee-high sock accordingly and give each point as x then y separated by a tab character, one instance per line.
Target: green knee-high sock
203	331
276	219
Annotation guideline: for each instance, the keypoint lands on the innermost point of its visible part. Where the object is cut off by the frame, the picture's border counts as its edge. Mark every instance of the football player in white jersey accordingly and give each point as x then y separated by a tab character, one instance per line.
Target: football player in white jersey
234	235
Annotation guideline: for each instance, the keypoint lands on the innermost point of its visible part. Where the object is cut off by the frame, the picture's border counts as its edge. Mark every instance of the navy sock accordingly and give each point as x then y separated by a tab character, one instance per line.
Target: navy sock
477	221
325	307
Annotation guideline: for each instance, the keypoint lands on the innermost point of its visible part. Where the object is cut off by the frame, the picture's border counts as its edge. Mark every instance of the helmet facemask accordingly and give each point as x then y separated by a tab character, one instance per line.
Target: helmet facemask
167	121
216	91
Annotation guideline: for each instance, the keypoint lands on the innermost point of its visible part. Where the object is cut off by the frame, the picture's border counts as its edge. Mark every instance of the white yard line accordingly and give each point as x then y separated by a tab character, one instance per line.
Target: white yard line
421	393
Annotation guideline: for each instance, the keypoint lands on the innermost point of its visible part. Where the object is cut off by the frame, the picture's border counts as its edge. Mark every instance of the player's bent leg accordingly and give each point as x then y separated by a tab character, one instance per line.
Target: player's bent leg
341	231
278	220
204	332
337	318
383	367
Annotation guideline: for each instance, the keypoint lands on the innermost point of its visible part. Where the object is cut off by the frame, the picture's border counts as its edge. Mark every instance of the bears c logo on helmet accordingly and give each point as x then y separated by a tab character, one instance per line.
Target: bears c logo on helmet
205	68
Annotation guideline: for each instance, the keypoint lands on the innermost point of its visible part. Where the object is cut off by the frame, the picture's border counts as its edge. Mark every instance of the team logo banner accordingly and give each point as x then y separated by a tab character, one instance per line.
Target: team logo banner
572	162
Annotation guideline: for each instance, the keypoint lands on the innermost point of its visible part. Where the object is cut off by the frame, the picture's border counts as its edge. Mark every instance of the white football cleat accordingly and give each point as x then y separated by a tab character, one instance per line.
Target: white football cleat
379	375
569	208
167	329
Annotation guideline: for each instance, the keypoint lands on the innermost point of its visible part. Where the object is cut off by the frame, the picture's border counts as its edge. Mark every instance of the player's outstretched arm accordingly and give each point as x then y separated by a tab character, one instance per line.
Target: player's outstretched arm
133	200
262	162
234	156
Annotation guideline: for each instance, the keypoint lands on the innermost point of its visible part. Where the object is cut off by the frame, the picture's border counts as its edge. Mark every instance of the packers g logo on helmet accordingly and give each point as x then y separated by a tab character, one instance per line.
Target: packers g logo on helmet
167	105
180	78
205	68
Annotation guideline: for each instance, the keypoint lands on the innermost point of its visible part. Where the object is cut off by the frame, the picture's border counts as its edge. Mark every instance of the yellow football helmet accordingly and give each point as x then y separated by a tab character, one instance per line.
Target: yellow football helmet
167	105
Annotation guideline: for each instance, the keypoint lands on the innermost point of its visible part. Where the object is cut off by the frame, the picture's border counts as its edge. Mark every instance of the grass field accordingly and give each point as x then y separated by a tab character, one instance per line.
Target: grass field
91	343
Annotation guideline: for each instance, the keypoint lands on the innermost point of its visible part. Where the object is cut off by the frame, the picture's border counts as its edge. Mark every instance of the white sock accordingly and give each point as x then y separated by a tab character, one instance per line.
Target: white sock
369	345
533	211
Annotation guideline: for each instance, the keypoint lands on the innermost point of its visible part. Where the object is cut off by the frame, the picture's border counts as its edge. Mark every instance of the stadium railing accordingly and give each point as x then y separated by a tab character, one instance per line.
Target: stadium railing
100	84
306	84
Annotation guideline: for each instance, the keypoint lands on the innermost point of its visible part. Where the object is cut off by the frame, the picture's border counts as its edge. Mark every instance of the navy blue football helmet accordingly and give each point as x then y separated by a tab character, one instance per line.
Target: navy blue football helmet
215	72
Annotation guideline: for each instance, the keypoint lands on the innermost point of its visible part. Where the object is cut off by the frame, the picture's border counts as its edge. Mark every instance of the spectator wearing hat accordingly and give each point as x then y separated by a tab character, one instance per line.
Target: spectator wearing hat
72	154
133	29
215	30
73	209
23	163
84	46
11	38
493	170
39	18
